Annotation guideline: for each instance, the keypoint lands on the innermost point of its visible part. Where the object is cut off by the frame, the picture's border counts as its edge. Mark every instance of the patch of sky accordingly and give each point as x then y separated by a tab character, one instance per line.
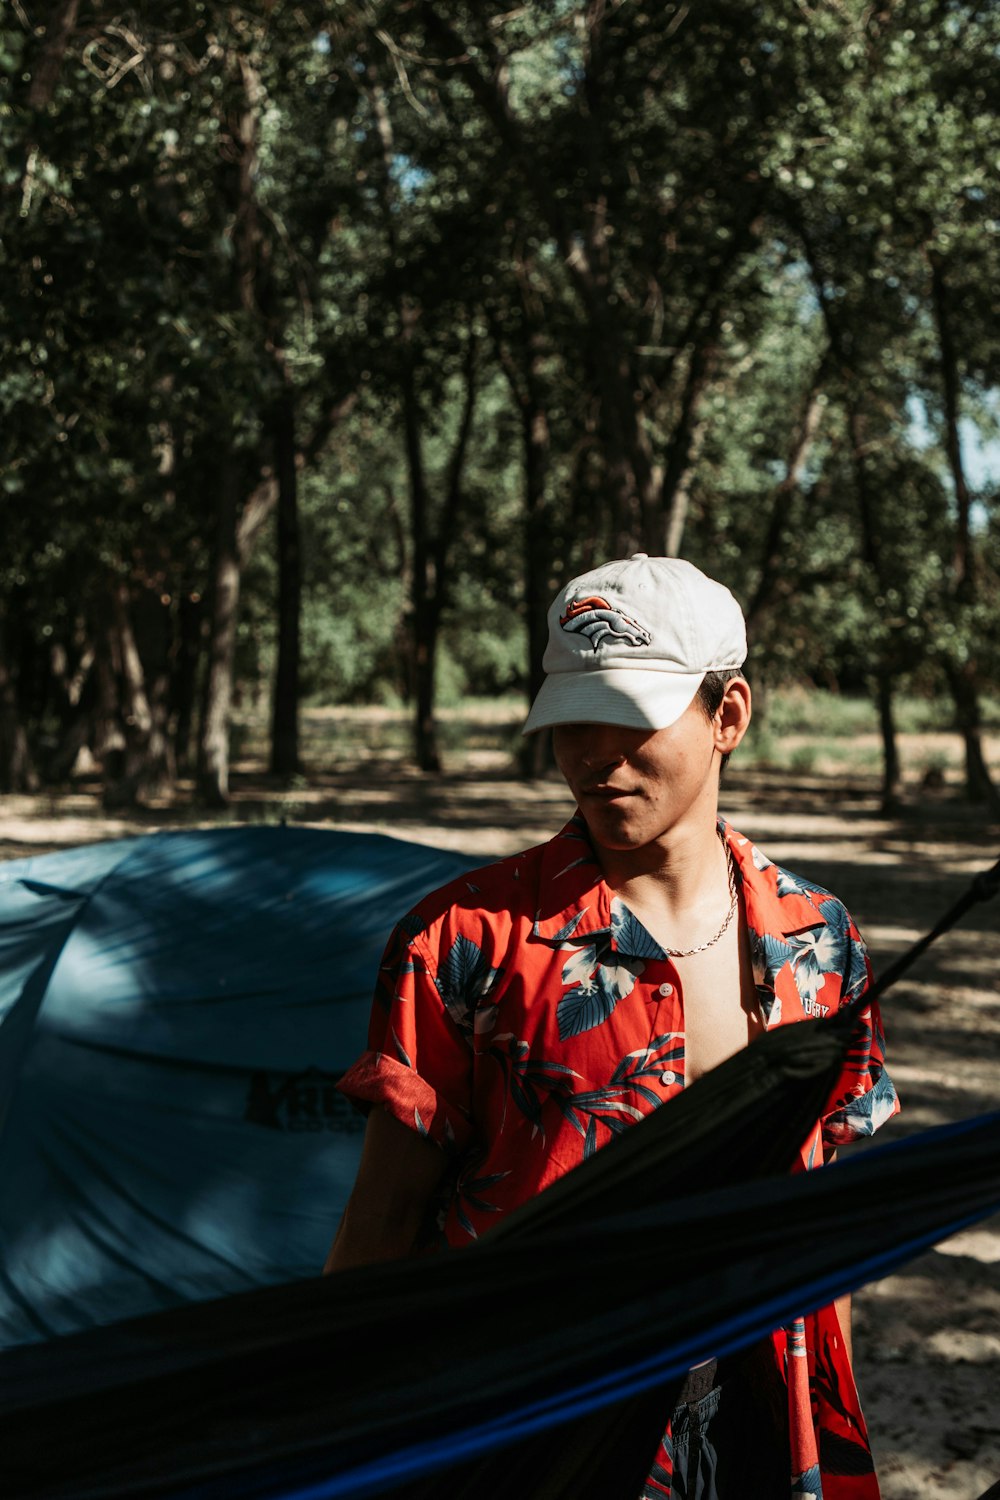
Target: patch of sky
408	176
982	465
919	432
569	63
798	275
980	449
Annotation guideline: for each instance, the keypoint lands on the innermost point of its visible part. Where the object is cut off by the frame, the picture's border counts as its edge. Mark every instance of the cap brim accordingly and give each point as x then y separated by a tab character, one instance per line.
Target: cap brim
633	699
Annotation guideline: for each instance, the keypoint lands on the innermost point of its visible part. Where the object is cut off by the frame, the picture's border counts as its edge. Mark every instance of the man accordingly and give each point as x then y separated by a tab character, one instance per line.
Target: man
529	1011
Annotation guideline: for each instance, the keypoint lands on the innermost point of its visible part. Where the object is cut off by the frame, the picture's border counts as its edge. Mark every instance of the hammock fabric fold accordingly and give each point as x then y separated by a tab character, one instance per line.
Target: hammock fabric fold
580	1313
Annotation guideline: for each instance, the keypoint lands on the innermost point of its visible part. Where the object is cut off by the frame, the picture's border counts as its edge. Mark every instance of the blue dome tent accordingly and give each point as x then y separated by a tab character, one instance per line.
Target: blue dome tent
174	1012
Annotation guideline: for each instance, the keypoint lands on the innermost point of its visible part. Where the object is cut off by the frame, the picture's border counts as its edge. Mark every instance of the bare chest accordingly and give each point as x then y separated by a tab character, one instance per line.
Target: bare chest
721	1012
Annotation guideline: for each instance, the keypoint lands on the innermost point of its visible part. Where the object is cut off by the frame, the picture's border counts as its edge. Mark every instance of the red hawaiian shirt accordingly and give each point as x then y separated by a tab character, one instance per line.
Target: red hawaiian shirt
524	1016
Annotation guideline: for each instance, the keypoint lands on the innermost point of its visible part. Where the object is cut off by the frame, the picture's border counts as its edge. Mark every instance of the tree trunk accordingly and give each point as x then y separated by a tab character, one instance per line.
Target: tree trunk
536	753
425	584
213	746
962	562
891	774
865	492
75	693
536	756
664	527
146	764
680	499
802	441
106	736
184	688
886	665
285	715
423	613
17	771
965	692
431	555
239	142
962	675
424	682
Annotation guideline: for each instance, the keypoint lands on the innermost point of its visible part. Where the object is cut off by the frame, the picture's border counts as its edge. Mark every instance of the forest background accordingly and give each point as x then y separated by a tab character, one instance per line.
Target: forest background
338	335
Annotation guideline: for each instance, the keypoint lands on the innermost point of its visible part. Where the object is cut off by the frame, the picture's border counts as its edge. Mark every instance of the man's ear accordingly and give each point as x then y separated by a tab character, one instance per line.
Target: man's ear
732	717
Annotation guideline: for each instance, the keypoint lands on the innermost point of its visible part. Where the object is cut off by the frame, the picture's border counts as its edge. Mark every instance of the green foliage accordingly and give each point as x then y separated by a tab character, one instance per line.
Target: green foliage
677	229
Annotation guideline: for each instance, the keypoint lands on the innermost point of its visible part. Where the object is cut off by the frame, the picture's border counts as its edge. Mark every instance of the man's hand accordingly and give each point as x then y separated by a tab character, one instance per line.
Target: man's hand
397	1178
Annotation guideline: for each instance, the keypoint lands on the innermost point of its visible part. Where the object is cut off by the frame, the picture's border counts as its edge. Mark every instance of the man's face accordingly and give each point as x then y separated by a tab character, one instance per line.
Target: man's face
633	786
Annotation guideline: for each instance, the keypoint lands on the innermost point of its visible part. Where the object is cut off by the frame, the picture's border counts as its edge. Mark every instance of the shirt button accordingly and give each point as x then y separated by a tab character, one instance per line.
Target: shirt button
666	989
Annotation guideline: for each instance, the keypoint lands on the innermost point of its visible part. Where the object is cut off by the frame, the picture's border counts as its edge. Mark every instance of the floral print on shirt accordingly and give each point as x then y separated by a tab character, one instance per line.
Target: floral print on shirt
524	1017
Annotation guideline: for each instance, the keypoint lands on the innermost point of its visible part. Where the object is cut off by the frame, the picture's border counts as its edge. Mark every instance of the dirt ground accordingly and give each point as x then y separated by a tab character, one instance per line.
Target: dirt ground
927	1339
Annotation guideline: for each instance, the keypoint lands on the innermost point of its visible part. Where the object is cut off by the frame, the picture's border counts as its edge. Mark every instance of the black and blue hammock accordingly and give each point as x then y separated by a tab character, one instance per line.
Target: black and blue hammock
538	1363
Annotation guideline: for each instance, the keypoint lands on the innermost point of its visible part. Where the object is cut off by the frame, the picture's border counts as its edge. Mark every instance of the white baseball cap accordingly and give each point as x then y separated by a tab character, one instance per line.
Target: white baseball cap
631	641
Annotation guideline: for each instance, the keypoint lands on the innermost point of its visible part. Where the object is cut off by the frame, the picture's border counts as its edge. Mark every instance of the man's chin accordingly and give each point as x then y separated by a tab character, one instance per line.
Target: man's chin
619	834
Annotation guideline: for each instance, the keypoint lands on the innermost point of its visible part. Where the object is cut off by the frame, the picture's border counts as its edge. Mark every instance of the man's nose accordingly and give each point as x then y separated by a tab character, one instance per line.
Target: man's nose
601	751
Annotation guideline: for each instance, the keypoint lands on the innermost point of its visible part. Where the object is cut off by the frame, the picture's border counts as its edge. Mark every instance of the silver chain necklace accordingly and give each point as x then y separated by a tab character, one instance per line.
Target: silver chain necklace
733	902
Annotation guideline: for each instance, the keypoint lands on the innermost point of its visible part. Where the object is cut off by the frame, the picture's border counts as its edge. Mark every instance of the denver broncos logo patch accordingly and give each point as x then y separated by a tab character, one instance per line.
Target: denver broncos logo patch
599	621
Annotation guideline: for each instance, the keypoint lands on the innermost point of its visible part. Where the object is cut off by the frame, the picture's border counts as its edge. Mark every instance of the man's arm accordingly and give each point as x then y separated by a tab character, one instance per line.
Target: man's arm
398	1175
843	1306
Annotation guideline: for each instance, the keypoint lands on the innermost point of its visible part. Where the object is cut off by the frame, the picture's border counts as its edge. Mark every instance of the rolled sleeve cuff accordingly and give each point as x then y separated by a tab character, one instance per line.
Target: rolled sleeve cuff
410	1099
861	1116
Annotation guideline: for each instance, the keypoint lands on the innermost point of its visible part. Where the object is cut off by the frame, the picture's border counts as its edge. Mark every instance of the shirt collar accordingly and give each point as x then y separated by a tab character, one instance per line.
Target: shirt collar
775	902
573	900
